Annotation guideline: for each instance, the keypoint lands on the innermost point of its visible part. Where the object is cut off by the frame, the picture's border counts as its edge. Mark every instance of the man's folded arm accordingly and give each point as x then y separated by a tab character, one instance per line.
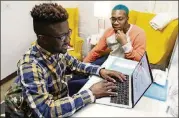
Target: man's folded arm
42	103
136	51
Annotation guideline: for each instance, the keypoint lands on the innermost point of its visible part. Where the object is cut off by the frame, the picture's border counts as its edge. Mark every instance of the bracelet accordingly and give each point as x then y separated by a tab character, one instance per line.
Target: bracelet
100	70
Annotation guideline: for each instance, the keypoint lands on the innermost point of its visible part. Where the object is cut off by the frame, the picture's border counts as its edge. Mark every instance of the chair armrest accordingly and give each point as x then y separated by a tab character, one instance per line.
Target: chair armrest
78	44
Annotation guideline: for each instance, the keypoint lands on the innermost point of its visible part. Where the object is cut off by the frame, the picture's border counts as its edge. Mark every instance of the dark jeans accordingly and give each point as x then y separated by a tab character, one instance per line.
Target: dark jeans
100	60
79	80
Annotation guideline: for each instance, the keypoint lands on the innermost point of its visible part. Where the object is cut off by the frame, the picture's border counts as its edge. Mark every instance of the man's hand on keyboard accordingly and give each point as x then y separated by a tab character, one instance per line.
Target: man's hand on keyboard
111	75
103	89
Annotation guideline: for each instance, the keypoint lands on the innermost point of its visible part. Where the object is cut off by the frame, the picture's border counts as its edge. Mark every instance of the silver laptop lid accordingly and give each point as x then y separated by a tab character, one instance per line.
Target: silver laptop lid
141	79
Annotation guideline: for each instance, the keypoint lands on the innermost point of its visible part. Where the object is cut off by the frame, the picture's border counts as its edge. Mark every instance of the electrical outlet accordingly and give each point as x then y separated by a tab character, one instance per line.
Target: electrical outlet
5	6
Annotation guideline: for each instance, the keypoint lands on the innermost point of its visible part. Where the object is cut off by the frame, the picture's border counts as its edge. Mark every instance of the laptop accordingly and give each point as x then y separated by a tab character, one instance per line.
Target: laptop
139	78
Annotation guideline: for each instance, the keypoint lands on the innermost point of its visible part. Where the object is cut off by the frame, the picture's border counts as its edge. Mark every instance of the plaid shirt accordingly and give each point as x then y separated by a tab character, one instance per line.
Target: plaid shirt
42	80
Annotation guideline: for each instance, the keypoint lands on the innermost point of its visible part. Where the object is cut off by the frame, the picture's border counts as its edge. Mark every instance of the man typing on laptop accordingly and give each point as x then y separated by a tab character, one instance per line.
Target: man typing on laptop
138	80
41	88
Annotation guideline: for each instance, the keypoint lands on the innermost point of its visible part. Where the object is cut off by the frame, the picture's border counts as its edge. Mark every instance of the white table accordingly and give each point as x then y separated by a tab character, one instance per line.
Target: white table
146	107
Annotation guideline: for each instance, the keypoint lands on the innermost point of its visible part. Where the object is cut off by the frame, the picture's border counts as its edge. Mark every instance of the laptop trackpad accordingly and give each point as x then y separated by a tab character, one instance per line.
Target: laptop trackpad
103	100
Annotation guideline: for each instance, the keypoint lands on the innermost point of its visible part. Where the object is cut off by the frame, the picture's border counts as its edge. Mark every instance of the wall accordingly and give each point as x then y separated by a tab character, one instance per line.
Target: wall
17	32
166	6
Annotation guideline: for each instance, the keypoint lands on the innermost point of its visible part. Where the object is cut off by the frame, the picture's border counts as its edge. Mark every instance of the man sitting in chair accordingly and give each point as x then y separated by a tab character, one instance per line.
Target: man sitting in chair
41	89
122	40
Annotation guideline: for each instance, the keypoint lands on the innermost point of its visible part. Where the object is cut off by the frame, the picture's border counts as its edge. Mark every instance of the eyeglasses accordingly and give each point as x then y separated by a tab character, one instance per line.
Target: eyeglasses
62	37
118	19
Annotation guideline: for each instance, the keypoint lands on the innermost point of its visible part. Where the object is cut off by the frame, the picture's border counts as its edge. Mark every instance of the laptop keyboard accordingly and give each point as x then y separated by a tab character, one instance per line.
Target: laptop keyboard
123	93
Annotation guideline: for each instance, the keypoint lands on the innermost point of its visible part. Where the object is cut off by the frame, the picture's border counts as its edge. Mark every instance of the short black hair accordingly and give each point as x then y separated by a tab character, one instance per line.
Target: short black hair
49	12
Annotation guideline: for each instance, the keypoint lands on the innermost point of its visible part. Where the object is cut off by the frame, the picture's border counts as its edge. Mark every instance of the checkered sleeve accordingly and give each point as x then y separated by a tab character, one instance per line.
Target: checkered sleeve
41	101
81	66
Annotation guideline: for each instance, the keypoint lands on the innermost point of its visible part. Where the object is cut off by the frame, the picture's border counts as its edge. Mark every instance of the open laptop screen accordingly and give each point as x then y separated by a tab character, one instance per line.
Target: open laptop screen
142	78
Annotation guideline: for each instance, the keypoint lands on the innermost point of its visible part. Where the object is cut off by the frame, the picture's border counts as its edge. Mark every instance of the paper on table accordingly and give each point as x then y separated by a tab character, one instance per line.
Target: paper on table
160	76
158	92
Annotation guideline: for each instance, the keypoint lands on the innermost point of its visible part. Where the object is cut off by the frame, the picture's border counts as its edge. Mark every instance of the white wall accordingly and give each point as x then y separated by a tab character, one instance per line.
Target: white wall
173	67
17	31
166	6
